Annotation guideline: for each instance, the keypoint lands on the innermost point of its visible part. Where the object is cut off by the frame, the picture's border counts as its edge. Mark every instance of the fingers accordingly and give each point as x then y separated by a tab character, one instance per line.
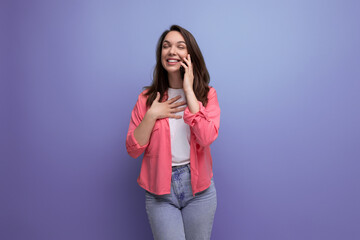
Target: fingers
180	109
174	105
157	96
174	116
174	99
176	110
188	62
184	65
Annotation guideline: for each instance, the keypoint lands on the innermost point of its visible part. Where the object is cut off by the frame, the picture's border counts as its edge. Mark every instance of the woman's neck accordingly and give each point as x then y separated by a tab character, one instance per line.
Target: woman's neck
175	80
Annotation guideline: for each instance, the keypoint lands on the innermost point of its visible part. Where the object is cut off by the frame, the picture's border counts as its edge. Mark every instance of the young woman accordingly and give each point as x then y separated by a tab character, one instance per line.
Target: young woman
174	122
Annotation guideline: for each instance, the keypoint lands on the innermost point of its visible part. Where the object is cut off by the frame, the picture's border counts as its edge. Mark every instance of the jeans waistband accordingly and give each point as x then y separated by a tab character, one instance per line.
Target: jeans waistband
180	167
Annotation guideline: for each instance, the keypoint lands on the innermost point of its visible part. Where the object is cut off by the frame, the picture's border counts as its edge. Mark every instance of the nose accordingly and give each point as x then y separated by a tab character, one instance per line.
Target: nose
172	50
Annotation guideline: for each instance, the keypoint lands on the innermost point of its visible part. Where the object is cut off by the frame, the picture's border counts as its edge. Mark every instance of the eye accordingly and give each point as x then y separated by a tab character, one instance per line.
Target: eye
165	46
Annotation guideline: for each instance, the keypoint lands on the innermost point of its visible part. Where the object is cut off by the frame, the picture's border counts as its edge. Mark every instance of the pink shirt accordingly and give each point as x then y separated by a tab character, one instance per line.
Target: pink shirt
156	167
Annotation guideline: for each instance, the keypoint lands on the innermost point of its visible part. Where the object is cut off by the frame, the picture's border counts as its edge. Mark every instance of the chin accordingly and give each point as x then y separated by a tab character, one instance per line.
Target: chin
172	69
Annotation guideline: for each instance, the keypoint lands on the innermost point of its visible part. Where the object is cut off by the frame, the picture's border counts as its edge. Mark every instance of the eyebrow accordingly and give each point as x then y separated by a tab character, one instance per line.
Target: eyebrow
177	42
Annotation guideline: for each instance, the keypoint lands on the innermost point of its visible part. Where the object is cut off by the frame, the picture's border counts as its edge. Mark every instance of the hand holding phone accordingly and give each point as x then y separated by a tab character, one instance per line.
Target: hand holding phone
188	75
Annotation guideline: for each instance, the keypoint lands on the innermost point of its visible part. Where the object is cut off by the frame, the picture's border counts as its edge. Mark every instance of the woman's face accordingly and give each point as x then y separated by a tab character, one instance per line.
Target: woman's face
173	50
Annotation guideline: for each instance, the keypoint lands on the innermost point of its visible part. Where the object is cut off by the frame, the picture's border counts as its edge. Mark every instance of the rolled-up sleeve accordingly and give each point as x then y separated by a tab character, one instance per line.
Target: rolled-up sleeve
132	146
206	122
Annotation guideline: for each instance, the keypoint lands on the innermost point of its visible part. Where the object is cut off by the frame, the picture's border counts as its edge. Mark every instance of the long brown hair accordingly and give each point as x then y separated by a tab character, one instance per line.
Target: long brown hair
160	76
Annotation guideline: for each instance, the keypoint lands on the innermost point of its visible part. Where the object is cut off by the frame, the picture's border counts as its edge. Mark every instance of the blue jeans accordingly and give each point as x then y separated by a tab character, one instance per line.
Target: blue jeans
180	215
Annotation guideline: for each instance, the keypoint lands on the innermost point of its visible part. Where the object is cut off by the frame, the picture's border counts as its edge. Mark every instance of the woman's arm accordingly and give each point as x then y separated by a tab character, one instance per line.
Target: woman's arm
206	122
143	131
133	147
192	101
188	83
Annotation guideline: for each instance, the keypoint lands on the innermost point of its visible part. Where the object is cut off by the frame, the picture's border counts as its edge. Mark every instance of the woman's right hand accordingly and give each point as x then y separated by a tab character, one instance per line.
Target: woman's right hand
165	109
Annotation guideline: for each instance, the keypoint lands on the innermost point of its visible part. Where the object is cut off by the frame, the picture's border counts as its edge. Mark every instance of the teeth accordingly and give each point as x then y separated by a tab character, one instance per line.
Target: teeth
170	60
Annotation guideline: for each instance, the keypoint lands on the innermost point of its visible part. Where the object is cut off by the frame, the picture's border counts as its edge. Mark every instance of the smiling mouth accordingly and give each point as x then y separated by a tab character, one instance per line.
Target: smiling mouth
172	61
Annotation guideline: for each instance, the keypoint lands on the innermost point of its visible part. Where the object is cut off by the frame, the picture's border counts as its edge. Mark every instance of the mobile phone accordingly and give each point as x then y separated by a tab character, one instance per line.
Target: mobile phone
182	71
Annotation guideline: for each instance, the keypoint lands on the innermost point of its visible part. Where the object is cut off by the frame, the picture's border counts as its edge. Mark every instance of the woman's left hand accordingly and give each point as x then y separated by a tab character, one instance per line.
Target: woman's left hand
188	75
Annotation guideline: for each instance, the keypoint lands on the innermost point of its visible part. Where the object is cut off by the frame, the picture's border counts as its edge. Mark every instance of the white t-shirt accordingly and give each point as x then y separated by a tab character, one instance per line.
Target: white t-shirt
179	133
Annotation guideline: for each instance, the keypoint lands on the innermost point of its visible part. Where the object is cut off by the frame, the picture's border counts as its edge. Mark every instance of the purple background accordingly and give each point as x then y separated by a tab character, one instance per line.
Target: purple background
286	162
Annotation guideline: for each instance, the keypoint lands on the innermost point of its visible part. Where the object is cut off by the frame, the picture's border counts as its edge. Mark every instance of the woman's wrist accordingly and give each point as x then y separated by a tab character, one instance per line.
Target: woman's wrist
149	116
188	90
192	101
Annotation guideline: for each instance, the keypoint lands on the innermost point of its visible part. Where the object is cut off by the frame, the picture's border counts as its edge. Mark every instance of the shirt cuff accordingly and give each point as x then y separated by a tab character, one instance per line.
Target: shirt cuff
192	118
132	144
